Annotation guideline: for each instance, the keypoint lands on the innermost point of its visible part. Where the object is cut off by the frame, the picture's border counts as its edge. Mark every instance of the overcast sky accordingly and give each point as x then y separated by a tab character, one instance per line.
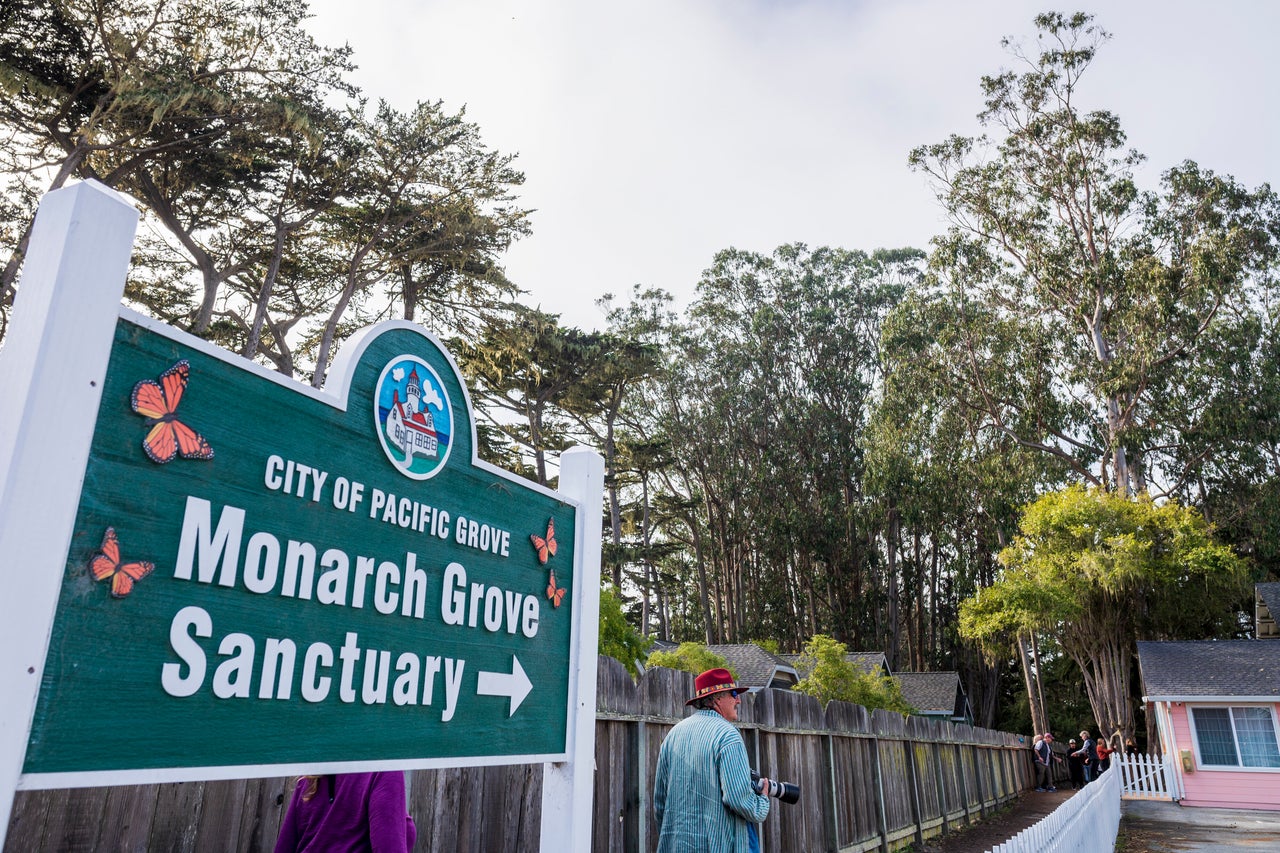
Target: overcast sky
653	134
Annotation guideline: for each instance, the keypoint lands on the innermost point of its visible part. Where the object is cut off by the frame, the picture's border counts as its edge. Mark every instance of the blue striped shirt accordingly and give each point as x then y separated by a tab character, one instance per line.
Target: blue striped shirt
702	798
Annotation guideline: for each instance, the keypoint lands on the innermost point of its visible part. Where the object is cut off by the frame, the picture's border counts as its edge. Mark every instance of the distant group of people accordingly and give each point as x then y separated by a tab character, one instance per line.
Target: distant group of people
1087	759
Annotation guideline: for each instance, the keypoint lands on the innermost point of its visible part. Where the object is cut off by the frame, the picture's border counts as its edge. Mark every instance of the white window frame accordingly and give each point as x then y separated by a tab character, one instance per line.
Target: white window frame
1230	768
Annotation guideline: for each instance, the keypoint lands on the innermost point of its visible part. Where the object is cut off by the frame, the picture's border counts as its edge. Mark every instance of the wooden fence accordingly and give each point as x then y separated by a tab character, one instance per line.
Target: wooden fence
869	781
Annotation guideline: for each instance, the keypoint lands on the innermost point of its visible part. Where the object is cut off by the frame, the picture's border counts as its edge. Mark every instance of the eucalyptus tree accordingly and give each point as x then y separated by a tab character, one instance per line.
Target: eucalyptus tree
954	488
1064	271
768	390
1220	424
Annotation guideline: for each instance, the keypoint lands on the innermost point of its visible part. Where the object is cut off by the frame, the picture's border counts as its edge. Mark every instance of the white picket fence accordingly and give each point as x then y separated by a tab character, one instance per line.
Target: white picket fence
1086	823
1147	777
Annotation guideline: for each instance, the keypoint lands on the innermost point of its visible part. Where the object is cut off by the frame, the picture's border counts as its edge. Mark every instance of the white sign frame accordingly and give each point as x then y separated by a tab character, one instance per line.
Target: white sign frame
57	348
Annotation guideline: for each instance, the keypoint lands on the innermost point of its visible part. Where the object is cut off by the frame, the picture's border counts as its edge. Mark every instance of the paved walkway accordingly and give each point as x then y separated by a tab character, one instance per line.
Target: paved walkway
998	828
1148	826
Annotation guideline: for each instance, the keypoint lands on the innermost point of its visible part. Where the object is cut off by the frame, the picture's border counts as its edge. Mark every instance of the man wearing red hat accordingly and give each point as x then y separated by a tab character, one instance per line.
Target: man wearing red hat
703	798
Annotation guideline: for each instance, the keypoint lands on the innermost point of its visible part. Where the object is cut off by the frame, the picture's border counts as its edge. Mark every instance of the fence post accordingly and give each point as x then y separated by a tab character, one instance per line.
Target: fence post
882	817
979	768
643	788
913	771
963	777
830	795
998	756
942	790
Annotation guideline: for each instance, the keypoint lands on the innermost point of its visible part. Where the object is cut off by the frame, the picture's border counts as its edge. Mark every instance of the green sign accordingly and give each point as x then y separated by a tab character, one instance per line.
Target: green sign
264	575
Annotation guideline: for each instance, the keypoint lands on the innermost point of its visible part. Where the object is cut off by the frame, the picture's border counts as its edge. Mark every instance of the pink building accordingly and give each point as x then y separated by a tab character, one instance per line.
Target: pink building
1216	704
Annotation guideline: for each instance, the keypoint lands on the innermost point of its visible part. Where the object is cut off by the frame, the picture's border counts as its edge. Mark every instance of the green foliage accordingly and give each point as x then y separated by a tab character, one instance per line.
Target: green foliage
1087	552
691	657
766	392
1095	571
522	369
770	646
279	216
830	677
618	638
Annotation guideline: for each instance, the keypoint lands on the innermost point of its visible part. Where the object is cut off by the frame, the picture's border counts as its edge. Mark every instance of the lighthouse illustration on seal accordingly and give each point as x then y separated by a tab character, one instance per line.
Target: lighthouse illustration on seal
414	417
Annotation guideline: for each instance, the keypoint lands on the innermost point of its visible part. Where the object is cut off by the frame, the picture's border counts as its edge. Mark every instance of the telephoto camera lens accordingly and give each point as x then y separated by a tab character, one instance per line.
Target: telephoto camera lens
784	791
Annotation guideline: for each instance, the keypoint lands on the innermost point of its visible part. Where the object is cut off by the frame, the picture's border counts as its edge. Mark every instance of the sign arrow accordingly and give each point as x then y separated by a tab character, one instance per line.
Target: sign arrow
514	684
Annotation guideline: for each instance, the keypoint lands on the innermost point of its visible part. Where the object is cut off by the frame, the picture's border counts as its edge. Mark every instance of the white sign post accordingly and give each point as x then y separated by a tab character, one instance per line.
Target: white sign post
83	236
567	787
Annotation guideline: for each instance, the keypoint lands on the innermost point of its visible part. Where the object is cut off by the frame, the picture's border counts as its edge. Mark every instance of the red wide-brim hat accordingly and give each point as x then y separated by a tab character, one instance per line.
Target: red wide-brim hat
711	682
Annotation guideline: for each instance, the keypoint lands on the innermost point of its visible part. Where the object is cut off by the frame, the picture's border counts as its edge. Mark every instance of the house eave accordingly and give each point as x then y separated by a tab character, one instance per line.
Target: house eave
1198	698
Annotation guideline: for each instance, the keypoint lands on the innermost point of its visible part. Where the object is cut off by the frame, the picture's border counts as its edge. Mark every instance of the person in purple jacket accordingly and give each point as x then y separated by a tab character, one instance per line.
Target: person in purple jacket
348	812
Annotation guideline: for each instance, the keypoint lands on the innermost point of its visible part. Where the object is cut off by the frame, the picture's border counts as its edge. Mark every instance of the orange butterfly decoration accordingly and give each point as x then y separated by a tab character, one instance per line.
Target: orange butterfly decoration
546	547
554	593
106	564
158	402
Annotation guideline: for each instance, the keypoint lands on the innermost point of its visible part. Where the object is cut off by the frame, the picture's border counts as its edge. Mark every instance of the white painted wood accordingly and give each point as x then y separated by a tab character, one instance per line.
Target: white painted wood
567	787
1146	777
51	373
1089	821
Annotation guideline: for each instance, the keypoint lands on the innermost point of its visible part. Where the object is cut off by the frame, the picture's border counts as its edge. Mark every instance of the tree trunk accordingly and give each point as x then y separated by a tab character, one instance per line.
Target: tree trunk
615	511
68	167
1031	679
264	293
1105	663
893	629
1044	706
647	587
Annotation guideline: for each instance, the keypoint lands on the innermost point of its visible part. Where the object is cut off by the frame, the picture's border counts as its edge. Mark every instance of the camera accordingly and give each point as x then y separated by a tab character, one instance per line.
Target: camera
784	791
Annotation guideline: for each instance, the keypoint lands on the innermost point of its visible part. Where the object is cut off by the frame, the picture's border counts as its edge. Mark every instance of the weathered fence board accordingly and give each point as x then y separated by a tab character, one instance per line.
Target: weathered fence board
869	781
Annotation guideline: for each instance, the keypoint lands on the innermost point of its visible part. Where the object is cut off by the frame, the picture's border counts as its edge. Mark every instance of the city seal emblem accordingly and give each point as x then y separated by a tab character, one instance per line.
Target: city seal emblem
413	417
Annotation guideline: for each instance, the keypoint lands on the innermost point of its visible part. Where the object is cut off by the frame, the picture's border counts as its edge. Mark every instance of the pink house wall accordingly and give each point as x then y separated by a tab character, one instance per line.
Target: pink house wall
1224	789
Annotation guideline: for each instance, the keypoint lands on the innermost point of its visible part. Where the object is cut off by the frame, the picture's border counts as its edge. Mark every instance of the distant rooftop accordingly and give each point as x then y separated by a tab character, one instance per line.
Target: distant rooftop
870	663
1266	610
755	667
934	693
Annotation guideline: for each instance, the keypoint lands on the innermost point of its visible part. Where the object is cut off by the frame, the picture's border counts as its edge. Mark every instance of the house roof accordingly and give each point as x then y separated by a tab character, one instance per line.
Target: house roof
933	692
1209	668
871	663
868	663
755	666
1266	610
